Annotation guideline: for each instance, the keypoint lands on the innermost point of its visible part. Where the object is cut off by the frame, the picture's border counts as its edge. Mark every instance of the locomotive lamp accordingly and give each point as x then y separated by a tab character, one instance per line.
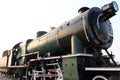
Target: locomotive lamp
111	7
109	10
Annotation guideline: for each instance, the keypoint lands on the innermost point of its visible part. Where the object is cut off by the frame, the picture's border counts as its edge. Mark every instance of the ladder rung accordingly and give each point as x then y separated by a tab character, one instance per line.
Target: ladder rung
52	64
45	75
52	70
38	71
24	77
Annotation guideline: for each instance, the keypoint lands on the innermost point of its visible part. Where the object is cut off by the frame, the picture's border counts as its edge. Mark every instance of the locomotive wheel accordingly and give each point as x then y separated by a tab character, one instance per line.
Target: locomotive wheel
99	77
29	74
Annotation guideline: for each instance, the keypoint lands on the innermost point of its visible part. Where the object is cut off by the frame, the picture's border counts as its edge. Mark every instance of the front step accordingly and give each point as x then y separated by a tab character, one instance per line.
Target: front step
44	75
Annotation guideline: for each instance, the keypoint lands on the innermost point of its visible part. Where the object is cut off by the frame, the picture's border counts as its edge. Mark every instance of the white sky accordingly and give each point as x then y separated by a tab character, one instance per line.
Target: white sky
21	19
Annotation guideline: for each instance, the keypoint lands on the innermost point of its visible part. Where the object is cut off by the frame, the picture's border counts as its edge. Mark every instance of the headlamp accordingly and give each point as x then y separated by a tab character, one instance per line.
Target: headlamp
111	7
109	10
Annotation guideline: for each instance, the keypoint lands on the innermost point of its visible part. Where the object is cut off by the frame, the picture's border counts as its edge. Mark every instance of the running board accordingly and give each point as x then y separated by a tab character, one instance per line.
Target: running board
102	69
61	57
20	66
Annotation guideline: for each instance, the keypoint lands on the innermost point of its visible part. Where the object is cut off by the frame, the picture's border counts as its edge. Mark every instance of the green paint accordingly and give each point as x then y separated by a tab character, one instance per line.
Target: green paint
76	45
70	66
70	69
47	43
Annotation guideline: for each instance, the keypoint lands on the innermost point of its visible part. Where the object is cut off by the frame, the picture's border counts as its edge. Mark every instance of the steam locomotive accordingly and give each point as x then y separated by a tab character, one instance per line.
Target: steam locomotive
73	51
